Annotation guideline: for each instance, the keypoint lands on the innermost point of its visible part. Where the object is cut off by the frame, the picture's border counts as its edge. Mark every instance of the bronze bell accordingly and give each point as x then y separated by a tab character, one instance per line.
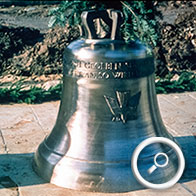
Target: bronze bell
108	107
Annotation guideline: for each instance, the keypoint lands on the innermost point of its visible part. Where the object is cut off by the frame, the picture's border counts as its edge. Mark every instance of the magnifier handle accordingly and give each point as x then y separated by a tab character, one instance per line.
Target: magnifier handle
152	169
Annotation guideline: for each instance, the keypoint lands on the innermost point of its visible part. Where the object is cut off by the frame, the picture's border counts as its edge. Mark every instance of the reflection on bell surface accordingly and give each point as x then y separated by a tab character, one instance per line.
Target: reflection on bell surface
108	107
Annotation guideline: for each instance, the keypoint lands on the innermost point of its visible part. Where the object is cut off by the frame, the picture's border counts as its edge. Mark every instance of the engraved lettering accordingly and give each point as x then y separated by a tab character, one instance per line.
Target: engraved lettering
117	66
87	75
102	70
93	65
106	75
99	75
93	75
108	66
99	66
87	65
118	74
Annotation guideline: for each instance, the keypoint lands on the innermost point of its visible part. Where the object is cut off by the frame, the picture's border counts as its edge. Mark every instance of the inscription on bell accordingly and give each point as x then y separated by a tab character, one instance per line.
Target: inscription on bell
100	70
124	106
100	65
107	70
101	74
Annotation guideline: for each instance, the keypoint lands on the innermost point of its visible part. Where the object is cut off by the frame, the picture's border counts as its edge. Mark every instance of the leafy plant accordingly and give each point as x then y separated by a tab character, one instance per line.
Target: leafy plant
139	22
18	93
185	82
69	12
139	19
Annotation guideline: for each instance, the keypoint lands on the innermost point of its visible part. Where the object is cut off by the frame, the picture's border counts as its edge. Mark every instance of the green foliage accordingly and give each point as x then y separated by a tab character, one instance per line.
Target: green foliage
139	22
69	12
185	82
18	94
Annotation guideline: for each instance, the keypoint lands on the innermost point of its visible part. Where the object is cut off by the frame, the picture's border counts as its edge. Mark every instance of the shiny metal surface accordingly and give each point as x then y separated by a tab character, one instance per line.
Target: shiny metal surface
108	107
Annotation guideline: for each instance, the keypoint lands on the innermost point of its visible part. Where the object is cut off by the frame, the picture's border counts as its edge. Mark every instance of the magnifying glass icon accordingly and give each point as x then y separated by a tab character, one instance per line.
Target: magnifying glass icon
154	140
156	164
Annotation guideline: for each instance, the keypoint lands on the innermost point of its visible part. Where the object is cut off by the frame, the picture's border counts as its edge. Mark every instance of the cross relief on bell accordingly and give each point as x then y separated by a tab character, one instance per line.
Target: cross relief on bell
123	106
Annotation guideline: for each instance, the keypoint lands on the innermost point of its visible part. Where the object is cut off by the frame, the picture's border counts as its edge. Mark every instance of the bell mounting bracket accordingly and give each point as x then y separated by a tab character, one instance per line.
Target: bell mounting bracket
113	18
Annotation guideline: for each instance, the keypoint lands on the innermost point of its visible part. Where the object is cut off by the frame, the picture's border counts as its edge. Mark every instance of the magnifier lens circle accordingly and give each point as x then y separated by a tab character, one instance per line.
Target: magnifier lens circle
166	159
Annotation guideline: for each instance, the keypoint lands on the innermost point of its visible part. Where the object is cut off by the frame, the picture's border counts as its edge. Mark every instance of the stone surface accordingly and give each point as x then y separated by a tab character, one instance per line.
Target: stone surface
45	115
23	127
178	113
191	186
